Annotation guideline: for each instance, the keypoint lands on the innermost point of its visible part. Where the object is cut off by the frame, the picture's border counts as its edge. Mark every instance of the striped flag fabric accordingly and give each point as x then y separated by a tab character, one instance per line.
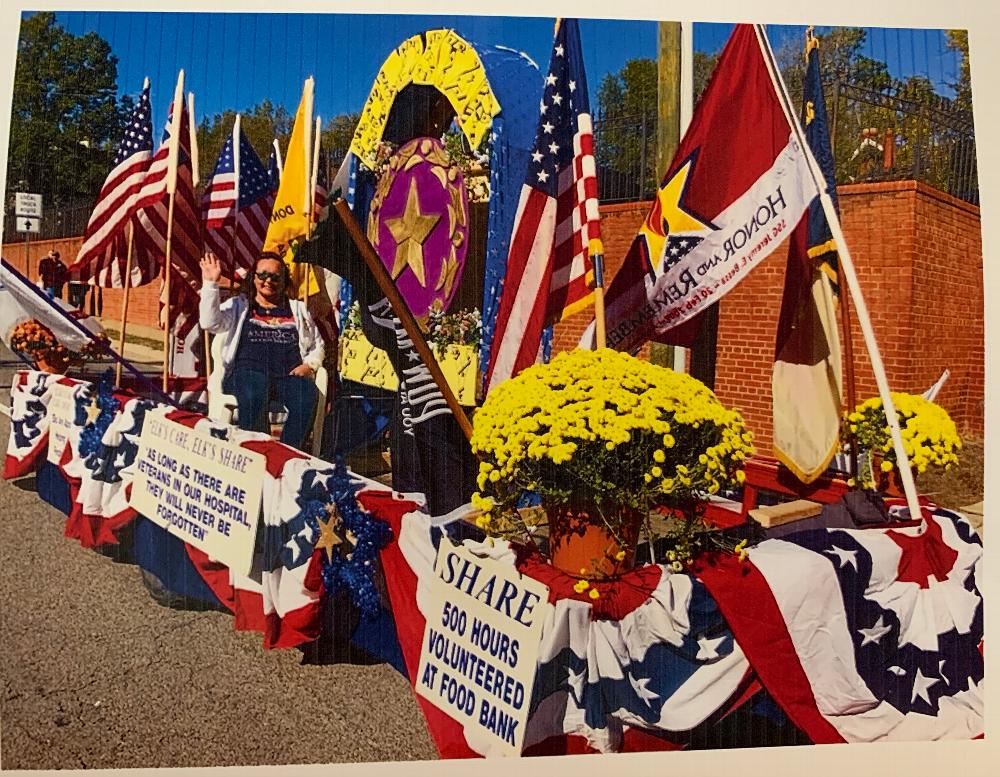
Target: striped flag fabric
172	165
236	205
103	254
548	267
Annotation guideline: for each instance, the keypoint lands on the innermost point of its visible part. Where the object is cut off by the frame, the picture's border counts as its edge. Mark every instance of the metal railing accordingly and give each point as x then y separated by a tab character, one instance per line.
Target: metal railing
894	134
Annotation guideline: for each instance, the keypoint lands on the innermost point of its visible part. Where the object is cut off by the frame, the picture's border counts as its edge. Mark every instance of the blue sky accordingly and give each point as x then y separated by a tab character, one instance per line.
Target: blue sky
235	60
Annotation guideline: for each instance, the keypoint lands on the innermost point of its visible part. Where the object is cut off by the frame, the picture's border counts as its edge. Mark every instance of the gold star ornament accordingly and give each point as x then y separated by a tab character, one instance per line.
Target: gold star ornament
328	537
410	230
93	411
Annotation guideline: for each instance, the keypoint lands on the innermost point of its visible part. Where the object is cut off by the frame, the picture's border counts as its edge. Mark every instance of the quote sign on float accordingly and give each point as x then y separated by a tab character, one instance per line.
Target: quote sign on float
64	428
204	490
480	649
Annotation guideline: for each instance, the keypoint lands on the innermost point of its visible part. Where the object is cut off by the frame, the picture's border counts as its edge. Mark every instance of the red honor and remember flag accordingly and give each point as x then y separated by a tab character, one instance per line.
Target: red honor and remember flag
737	186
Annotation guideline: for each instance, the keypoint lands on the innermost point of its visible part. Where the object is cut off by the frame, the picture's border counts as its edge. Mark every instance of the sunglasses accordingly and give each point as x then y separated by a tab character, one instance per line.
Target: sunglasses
269	276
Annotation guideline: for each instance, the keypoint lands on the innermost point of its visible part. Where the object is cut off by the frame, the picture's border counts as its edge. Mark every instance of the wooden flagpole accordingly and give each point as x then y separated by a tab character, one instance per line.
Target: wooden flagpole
195	179
403	313
171	188
313	177
846	264
125	299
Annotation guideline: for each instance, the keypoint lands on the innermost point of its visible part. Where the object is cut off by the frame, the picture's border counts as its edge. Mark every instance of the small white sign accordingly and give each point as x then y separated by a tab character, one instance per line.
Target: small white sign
204	490
480	650
28	224
63	429
27	204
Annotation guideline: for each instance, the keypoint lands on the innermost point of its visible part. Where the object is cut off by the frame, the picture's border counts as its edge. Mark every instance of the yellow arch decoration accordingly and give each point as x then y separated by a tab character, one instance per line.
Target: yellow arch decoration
439	58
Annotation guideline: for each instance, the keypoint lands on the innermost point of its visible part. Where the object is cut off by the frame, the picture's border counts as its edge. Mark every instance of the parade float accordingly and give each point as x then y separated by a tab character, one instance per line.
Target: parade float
586	601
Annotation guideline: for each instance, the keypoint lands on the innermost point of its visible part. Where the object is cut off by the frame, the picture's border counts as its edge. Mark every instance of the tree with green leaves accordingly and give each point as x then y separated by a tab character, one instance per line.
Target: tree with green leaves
66	118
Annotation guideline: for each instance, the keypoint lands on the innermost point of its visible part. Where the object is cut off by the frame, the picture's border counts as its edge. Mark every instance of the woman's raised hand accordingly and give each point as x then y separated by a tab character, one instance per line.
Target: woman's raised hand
211	268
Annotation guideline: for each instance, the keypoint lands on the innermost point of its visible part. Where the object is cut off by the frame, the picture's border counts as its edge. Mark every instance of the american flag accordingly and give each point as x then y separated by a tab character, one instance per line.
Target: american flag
236	206
186	242
103	255
153	205
548	264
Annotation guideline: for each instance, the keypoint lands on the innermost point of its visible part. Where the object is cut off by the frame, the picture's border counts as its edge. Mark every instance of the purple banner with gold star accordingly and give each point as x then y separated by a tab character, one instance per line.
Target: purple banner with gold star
419	224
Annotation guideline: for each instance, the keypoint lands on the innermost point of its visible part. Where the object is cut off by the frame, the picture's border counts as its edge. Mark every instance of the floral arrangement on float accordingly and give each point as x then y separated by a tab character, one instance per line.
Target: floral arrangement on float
454	337
930	439
603	438
37	342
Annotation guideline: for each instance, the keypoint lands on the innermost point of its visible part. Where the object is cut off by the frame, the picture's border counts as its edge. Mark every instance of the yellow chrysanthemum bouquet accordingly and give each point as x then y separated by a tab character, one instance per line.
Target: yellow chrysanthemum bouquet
604	434
930	437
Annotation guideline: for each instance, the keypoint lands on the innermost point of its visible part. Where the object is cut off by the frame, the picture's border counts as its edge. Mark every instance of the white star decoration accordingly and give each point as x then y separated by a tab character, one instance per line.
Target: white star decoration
543	107
642	690
875	633
553	148
575	681
557	98
559	50
550	79
572	86
897	670
846	556
547	128
708	649
921	685
543	176
537	156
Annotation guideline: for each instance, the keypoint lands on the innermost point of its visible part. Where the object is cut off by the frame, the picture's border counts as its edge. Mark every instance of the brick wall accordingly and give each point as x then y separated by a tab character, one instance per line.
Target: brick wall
143	301
918	255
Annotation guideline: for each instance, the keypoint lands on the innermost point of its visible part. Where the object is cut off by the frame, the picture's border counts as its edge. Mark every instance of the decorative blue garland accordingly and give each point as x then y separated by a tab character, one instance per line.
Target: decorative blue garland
354	565
91	436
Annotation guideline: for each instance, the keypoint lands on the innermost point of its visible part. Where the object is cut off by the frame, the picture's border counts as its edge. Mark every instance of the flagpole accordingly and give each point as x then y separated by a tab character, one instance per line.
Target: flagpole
313	177
596	252
847	265
195	179
72	321
403	313
125	299
171	185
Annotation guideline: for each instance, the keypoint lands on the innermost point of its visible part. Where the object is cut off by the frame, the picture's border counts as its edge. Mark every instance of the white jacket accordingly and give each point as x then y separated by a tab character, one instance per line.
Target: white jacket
226	320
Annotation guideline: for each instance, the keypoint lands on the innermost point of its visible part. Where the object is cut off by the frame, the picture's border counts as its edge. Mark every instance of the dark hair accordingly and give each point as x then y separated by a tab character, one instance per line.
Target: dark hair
55	254
248	290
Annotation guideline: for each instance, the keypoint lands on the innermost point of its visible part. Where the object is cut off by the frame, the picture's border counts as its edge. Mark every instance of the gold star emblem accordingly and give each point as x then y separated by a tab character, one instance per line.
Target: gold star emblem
93	411
675	218
328	537
810	112
410	230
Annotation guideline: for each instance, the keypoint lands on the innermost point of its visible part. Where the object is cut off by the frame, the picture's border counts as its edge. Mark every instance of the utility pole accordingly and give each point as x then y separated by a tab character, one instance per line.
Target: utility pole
668	133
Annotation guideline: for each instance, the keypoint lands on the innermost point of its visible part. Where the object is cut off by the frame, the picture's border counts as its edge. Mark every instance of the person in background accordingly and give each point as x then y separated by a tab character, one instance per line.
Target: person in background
272	344
77	293
52	274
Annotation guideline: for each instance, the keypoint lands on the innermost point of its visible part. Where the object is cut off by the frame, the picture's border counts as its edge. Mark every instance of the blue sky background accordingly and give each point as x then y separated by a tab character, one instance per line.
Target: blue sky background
236	60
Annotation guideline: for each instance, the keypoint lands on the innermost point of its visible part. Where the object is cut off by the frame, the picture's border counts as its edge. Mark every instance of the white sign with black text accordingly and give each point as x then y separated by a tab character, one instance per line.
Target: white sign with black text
26	204
202	489
480	649
61	412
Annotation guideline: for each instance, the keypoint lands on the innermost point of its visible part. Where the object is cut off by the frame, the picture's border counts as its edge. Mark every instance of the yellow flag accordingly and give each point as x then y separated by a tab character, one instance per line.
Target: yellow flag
291	217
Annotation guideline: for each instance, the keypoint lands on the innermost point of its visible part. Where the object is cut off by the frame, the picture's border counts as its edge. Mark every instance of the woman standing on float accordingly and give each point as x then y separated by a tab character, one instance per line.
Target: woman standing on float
271	345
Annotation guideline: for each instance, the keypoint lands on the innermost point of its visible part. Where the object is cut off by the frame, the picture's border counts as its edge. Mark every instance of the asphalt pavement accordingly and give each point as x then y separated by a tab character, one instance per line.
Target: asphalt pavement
97	675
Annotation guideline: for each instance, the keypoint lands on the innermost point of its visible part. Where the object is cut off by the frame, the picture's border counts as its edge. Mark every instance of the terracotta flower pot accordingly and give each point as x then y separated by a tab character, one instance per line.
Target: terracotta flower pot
52	364
582	546
889	483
